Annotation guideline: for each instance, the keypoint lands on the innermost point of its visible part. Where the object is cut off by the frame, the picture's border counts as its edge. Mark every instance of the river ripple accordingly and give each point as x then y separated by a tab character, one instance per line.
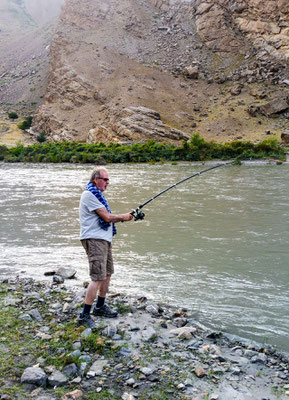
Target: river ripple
217	244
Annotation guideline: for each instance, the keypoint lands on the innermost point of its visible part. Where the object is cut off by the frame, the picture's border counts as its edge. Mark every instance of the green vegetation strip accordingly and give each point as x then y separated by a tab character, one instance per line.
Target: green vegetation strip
195	149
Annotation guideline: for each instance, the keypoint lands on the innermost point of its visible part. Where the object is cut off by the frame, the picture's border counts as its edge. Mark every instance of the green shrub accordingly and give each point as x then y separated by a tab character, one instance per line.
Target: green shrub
268	145
13	115
98	153
26	124
197	141
17	151
4	151
41	137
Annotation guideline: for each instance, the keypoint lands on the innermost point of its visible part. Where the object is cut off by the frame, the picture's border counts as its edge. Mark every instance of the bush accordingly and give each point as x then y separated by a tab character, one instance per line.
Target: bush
197	141
4	151
17	151
13	115
26	124
41	137
98	153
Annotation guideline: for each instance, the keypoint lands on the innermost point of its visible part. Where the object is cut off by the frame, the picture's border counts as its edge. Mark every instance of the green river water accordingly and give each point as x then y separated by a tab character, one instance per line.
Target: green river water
217	244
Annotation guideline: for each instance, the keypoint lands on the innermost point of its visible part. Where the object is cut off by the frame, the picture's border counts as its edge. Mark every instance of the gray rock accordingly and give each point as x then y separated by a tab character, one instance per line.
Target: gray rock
236	90
35	314
85	358
4	349
76	380
25	317
236	371
109	331
44	329
97	368
117	337
250	353
130	382
41	360
70	370
147	371
57	279
149	334
285	136
127	396
77	345
192	71
85	334
144	123
75	354
134	328
10	301
66	273
5	397
124	352
261	358
57	379
153	309
274	106
34	375
179	322
82	368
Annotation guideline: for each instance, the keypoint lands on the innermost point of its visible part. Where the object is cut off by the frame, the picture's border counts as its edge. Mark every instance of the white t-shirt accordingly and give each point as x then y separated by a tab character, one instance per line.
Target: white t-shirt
89	220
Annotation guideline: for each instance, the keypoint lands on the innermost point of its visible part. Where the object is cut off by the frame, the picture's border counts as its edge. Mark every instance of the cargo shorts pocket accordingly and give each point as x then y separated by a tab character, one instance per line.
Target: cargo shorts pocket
97	269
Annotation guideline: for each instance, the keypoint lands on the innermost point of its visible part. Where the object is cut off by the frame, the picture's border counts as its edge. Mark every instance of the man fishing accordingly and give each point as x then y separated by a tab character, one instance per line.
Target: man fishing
97	228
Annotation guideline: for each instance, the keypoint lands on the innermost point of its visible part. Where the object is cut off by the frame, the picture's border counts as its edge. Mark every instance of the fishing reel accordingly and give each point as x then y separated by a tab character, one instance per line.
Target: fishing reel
137	214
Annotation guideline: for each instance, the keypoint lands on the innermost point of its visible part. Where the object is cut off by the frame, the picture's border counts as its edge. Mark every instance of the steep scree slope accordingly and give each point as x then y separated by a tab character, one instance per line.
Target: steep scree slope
137	69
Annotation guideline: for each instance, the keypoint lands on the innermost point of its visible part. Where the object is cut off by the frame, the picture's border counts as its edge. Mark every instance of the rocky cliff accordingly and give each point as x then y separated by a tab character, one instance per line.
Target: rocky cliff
137	69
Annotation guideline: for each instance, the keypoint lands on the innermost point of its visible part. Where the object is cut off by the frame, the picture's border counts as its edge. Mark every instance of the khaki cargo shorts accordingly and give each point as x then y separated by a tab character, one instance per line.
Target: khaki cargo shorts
99	257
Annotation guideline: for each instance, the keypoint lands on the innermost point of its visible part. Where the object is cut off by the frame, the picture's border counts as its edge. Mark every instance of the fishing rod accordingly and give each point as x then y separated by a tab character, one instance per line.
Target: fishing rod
140	215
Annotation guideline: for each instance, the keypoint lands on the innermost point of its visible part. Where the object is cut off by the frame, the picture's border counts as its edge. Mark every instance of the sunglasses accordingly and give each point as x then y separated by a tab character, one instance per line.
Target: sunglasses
104	179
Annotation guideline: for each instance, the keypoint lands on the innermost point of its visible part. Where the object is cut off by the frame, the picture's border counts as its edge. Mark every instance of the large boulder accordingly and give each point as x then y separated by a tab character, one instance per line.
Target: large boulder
35	376
285	136
275	106
141	123
66	273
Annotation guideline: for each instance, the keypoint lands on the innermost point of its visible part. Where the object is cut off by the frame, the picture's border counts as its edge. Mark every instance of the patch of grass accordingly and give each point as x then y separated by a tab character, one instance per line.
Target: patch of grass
159	394
278	391
122	308
14	337
95	343
14	391
103	395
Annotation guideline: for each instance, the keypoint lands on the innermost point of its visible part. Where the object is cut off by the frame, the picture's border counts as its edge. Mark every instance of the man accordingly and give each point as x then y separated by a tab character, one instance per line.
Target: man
97	228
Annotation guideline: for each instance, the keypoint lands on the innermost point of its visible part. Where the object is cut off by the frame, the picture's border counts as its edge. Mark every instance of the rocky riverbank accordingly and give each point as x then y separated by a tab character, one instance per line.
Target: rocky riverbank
150	351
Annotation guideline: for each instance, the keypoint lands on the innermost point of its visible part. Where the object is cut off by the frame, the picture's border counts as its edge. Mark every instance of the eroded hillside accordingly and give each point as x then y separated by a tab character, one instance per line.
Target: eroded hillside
137	69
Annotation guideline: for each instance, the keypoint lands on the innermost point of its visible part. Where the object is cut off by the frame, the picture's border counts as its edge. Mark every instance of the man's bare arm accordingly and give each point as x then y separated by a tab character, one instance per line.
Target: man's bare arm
107	217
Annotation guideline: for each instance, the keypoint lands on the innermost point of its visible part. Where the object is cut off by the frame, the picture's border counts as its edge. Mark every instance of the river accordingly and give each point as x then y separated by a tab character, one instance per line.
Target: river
216	244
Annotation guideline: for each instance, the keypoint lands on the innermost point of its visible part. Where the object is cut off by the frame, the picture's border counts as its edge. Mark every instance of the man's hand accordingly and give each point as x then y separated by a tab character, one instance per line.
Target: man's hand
127	217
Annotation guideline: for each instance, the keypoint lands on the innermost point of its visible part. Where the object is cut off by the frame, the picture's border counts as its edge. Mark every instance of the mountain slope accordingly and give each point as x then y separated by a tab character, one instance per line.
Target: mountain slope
137	69
26	30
